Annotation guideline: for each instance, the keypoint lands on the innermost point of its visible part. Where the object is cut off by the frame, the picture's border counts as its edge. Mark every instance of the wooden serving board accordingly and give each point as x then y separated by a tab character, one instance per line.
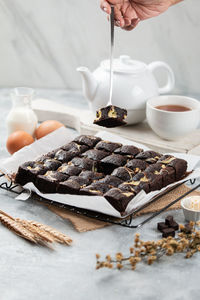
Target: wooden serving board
82	121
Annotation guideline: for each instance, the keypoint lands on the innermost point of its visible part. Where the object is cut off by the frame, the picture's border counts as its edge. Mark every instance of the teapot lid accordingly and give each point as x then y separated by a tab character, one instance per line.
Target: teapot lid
124	64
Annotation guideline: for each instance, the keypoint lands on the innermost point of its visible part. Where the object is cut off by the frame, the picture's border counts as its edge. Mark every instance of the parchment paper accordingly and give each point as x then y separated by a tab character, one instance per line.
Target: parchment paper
96	203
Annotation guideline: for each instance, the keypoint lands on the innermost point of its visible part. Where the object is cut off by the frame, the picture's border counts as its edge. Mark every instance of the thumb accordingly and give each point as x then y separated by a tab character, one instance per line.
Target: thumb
105	6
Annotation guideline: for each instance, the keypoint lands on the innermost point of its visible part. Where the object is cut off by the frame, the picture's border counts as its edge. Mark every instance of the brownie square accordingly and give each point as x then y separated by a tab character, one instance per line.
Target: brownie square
52	164
29	171
69	170
91	175
63	156
110	116
149	156
111	180
137	165
48	182
180	167
84	163
74	148
128	150
138	183
95	154
109	163
119	199
107	146
168	175
123	173
72	185
88	140
96	188
155	180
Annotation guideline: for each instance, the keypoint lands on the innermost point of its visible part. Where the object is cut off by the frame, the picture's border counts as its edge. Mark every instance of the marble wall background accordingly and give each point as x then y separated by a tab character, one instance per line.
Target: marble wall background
42	42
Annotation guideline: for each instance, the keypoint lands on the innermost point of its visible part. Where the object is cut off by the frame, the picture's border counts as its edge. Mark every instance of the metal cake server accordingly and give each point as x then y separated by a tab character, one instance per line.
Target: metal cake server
112	27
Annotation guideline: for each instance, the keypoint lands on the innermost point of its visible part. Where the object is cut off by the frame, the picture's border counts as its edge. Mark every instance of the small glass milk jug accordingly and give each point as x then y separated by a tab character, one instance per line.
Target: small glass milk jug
21	116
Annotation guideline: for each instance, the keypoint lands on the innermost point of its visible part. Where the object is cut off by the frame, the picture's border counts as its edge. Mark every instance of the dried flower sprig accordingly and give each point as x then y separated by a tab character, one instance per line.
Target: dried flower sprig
187	242
33	231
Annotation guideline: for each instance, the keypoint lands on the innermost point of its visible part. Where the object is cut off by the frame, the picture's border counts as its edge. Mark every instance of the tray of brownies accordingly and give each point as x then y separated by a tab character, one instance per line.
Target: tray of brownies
103	173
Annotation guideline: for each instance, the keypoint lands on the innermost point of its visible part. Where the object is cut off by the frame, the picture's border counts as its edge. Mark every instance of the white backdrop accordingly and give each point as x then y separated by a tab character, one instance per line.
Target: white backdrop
42	42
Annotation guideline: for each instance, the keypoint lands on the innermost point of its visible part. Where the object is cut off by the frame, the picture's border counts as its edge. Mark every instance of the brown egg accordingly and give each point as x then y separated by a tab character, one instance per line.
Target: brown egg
18	140
46	128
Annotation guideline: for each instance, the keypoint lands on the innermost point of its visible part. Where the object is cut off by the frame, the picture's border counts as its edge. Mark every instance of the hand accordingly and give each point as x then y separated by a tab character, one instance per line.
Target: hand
128	13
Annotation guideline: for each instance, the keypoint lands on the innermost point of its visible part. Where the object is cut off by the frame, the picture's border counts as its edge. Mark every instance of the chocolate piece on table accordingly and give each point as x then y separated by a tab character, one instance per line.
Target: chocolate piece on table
28	172
74	148
149	156
69	170
169	220
73	185
96	188
95	154
119	199
88	140
187	228
137	165
109	163
48	182
110	116
91	175
111	180
84	163
123	173
161	226
174	225
107	146
168	232
63	156
129	150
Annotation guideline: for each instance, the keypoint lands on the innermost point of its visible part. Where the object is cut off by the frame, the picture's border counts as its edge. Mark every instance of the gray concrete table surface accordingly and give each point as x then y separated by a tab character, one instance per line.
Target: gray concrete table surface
32	272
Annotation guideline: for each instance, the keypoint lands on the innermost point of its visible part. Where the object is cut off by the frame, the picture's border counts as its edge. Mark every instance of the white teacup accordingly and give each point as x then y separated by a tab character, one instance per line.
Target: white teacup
171	125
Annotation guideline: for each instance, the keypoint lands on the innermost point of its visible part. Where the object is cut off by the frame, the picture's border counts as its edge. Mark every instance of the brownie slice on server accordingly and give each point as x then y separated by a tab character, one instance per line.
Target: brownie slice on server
108	146
179	165
48	182
88	140
119	199
29	171
123	173
109	163
128	150
149	156
73	185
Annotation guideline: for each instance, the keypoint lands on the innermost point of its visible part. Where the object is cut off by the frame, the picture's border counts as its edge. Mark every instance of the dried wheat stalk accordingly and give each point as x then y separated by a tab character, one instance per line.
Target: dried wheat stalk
40	234
60	237
17	228
34	231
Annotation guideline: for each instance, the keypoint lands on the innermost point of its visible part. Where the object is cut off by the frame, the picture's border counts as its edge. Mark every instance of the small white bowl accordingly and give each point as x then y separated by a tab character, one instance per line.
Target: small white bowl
173	125
191	208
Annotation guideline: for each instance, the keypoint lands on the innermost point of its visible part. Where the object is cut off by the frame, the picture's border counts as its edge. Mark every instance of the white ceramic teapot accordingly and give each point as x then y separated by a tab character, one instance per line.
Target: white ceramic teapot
134	83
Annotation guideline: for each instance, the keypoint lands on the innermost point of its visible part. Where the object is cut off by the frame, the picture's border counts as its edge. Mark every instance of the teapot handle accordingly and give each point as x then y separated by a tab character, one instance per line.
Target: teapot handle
170	78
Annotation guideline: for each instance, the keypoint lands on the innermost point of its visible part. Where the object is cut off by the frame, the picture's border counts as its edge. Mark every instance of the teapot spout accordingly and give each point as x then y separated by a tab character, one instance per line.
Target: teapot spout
89	83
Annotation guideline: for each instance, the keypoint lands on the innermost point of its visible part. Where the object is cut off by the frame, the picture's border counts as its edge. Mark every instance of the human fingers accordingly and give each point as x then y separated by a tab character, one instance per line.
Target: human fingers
134	23
105	6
